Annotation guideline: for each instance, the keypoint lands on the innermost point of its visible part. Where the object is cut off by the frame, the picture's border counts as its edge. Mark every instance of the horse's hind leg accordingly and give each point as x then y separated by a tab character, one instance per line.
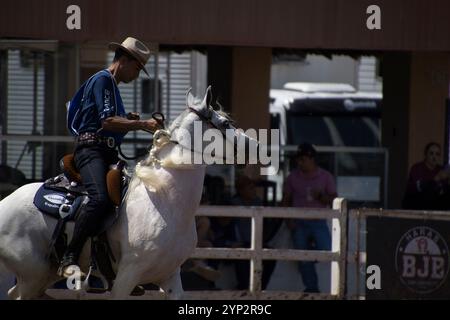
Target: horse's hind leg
27	289
32	284
13	293
32	287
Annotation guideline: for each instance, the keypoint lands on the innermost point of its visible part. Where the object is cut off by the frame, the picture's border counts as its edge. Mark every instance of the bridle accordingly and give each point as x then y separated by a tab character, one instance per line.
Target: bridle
204	118
168	137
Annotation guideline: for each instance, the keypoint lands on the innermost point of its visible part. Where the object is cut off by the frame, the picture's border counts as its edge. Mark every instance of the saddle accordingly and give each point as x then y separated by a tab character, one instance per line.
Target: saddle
63	197
113	177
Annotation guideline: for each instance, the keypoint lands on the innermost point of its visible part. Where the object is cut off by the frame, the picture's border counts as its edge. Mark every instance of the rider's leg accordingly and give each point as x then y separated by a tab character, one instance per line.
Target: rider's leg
93	166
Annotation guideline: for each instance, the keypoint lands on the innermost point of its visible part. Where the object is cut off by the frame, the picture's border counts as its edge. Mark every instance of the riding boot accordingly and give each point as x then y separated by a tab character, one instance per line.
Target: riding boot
80	235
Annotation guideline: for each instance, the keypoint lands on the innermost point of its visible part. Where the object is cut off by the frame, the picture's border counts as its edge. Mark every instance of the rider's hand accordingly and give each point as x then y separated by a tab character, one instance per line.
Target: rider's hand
150	125
133	116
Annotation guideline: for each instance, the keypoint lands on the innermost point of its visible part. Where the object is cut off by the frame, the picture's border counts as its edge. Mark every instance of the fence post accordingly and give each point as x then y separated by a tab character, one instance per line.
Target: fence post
339	245
256	262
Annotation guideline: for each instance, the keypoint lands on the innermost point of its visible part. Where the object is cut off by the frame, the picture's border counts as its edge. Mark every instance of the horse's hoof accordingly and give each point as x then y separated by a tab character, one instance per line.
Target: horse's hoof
96	285
96	290
207	272
138	291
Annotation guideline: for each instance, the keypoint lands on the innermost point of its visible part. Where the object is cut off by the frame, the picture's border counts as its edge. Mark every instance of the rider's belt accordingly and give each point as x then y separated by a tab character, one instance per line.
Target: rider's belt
93	139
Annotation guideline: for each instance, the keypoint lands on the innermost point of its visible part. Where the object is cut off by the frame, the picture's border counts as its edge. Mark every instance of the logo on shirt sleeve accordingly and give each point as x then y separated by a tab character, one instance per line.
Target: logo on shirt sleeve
107	101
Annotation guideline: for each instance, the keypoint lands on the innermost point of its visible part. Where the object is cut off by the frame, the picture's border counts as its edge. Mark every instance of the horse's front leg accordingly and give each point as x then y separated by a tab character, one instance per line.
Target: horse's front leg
172	287
127	278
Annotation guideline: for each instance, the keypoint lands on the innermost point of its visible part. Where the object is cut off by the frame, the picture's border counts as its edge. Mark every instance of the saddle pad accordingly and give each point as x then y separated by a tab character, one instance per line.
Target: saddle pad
49	201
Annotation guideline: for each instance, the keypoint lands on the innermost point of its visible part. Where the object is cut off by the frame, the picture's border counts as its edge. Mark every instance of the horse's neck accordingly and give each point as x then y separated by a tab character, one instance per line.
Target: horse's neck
186	177
178	186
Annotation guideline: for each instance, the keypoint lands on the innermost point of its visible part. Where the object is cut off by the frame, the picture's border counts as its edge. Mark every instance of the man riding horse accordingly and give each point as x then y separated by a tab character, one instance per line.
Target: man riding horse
100	123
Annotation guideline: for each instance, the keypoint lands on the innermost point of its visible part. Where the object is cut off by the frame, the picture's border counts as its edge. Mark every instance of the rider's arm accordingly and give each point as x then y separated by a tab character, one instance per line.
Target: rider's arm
119	124
103	92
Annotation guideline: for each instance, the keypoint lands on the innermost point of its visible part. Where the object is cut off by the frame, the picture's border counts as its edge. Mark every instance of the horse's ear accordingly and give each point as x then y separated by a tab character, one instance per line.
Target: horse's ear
208	97
217	105
190	98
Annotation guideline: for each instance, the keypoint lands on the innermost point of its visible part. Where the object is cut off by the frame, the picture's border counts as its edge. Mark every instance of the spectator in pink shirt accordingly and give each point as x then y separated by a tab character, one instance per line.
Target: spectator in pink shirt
428	182
309	186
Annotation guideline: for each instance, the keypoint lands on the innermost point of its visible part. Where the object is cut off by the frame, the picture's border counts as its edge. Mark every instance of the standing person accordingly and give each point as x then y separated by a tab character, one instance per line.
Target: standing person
246	196
309	186
99	122
427	182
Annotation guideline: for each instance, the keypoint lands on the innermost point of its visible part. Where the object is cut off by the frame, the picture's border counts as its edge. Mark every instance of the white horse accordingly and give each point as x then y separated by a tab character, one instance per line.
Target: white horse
155	232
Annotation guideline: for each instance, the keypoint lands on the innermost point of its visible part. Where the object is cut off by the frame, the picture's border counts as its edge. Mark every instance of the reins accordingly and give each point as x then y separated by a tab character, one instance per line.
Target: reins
162	132
159	117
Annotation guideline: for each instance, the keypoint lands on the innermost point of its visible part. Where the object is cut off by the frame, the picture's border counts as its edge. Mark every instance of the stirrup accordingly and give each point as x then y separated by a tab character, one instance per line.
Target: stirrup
87	282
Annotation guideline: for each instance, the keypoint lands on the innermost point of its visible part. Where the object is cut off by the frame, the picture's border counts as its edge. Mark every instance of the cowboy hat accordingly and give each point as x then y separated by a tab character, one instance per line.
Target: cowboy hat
137	49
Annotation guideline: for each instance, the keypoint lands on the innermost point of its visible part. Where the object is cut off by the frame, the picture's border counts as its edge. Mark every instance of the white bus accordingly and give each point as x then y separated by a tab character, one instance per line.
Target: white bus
344	125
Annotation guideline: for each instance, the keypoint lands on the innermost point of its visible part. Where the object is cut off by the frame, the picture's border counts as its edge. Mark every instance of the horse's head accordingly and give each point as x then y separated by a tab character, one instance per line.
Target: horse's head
209	132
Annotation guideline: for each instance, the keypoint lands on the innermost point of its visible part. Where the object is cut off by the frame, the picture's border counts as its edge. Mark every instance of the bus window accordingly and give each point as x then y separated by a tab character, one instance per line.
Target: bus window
350	131
312	129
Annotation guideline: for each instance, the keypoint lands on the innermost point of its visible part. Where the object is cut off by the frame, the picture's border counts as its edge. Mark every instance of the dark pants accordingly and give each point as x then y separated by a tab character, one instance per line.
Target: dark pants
93	163
316	230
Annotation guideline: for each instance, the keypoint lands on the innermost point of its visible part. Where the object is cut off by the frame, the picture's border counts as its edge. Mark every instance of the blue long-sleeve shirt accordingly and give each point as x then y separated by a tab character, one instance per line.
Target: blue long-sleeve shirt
102	100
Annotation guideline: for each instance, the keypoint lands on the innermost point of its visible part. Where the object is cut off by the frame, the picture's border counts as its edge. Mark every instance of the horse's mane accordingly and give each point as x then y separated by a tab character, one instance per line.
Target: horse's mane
149	176
219	109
